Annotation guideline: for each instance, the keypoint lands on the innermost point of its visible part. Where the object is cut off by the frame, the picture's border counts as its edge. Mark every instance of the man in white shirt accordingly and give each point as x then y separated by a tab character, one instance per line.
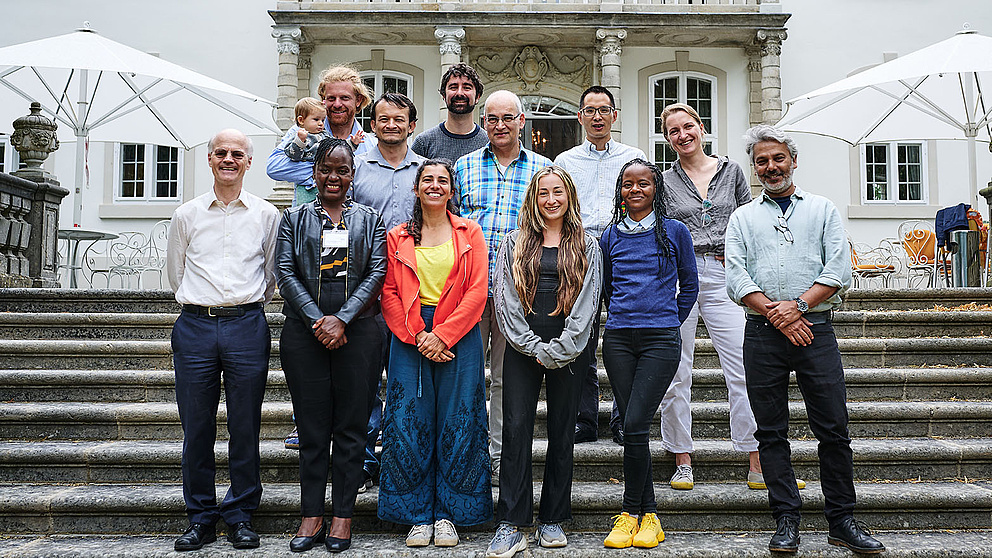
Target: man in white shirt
220	264
594	166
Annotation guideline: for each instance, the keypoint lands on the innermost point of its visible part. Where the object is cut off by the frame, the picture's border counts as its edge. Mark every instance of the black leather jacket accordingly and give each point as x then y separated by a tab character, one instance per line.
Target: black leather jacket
298	262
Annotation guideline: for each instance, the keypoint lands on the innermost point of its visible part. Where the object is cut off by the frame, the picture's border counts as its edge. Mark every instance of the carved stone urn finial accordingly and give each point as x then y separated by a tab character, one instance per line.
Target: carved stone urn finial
34	138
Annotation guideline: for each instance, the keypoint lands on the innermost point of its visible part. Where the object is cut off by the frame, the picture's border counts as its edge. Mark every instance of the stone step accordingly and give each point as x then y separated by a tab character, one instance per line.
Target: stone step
130	326
123	300
897	419
160	421
157	354
742	544
158	325
708	384
151	461
134	386
914	299
154	509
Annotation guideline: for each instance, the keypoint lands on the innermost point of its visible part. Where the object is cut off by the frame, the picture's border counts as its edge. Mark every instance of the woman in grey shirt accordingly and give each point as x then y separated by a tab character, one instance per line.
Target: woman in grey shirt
702	191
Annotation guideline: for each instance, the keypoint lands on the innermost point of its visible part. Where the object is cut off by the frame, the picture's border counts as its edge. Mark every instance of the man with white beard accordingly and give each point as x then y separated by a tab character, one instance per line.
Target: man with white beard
788	263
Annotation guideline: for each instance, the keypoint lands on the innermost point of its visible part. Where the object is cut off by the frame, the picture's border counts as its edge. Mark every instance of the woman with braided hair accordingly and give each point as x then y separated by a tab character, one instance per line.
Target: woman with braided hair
649	283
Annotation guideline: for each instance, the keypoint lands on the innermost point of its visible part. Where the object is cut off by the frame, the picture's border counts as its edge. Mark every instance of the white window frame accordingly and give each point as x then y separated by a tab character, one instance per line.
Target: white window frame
149	178
377	88
712	135
10	159
892	173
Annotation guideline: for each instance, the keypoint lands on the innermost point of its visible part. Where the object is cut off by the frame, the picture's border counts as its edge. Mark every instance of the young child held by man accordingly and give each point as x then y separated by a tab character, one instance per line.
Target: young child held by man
310	115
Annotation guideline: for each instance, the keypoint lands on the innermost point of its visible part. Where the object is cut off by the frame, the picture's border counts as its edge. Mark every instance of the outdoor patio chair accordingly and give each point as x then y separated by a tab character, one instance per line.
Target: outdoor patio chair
923	259
872	263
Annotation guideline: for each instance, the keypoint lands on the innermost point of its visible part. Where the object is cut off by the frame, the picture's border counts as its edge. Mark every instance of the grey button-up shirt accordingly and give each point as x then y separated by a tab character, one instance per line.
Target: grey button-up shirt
595	175
387	189
727	191
760	258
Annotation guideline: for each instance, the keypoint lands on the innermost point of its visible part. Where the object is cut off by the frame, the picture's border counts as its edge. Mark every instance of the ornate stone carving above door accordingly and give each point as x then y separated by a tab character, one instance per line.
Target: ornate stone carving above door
533	66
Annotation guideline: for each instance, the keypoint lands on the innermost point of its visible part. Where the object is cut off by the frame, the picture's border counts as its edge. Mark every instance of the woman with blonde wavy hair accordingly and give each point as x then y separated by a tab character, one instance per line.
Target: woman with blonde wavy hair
546	289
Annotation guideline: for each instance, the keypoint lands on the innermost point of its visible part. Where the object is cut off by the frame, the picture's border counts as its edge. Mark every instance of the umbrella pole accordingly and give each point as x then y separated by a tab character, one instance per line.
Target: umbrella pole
81	115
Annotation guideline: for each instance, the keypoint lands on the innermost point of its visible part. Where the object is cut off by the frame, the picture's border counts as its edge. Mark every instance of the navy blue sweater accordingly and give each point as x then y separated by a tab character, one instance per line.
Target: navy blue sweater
640	283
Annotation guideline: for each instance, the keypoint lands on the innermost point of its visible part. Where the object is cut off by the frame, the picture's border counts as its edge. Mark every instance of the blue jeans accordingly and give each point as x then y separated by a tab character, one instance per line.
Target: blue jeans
768	358
204	349
641	364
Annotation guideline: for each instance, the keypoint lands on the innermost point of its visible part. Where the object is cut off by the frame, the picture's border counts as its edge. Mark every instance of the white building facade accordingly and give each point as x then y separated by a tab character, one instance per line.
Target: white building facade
735	60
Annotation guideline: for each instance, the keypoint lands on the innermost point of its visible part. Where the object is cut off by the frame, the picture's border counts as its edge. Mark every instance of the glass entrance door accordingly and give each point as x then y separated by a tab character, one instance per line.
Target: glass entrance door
551	125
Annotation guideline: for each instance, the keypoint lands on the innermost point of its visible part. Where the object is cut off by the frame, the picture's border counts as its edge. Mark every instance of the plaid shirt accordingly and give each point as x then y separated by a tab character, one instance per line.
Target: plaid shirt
491	199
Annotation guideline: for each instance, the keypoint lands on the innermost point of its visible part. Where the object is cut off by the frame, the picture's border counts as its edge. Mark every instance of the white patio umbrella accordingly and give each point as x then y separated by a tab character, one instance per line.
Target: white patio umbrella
939	92
101	90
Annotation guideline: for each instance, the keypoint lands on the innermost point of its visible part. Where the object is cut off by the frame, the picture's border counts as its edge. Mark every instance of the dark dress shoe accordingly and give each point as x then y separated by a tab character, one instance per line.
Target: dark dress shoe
303	544
854	535
196	535
242	535
617	435
583	435
786	537
334	544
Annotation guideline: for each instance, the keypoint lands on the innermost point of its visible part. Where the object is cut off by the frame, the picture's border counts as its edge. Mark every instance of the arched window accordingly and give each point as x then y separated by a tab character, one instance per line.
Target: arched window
380	82
695	89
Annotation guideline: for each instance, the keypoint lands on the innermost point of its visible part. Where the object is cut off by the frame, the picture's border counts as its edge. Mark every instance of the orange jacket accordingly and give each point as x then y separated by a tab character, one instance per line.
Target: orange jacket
464	295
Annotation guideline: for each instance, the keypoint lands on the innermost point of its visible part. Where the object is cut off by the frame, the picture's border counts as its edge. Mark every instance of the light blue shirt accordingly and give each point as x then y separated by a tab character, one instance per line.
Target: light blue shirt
387	189
759	258
595	176
630	225
281	167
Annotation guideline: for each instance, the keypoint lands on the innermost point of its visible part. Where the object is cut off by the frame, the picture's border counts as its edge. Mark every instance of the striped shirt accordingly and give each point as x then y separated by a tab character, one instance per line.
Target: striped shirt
493	198
595	176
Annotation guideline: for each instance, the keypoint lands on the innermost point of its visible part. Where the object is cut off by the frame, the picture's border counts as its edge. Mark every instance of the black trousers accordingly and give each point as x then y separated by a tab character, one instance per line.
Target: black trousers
204	349
641	364
768	358
522	378
332	393
588	416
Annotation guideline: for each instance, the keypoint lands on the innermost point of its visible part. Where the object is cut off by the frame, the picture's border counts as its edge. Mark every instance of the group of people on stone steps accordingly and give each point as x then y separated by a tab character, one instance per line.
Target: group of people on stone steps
425	260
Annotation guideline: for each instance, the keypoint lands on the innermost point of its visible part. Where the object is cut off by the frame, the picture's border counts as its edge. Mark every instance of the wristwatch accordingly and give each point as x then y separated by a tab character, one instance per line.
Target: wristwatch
801	305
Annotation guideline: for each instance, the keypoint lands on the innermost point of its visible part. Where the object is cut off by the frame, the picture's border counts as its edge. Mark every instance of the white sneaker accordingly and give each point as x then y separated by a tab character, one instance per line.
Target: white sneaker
420	535
445	533
682	479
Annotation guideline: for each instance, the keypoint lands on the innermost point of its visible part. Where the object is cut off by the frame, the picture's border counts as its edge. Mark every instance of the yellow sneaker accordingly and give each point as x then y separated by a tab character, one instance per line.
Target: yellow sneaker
756	481
622	534
649	534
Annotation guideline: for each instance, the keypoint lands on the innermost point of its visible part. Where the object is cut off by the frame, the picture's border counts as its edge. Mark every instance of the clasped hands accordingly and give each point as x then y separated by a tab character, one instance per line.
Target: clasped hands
433	348
329	330
786	317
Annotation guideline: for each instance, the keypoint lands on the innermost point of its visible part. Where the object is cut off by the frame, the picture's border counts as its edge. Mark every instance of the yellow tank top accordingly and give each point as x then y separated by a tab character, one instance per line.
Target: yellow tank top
434	264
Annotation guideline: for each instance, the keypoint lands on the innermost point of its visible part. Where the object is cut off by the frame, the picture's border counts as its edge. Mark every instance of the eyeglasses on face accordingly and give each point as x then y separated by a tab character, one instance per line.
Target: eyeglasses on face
222	154
589	112
507	119
783	227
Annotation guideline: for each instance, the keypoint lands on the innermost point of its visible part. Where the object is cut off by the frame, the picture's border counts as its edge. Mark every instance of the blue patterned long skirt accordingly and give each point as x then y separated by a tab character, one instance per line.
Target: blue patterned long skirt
435	457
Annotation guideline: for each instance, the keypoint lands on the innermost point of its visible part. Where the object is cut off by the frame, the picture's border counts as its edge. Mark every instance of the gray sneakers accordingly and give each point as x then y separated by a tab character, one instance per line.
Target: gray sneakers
445	533
550	535
420	535
507	542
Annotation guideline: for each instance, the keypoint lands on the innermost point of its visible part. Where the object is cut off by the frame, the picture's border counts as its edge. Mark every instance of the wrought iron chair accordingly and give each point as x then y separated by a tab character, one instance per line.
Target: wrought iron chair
923	259
872	263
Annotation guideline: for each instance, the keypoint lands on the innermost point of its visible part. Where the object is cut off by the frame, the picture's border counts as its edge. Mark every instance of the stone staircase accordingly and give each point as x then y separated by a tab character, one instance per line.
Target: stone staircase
90	440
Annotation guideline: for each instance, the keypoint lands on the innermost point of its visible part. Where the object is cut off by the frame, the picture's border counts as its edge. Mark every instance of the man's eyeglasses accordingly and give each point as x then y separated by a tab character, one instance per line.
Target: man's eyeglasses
507	119
589	112
222	154
783	227
706	217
